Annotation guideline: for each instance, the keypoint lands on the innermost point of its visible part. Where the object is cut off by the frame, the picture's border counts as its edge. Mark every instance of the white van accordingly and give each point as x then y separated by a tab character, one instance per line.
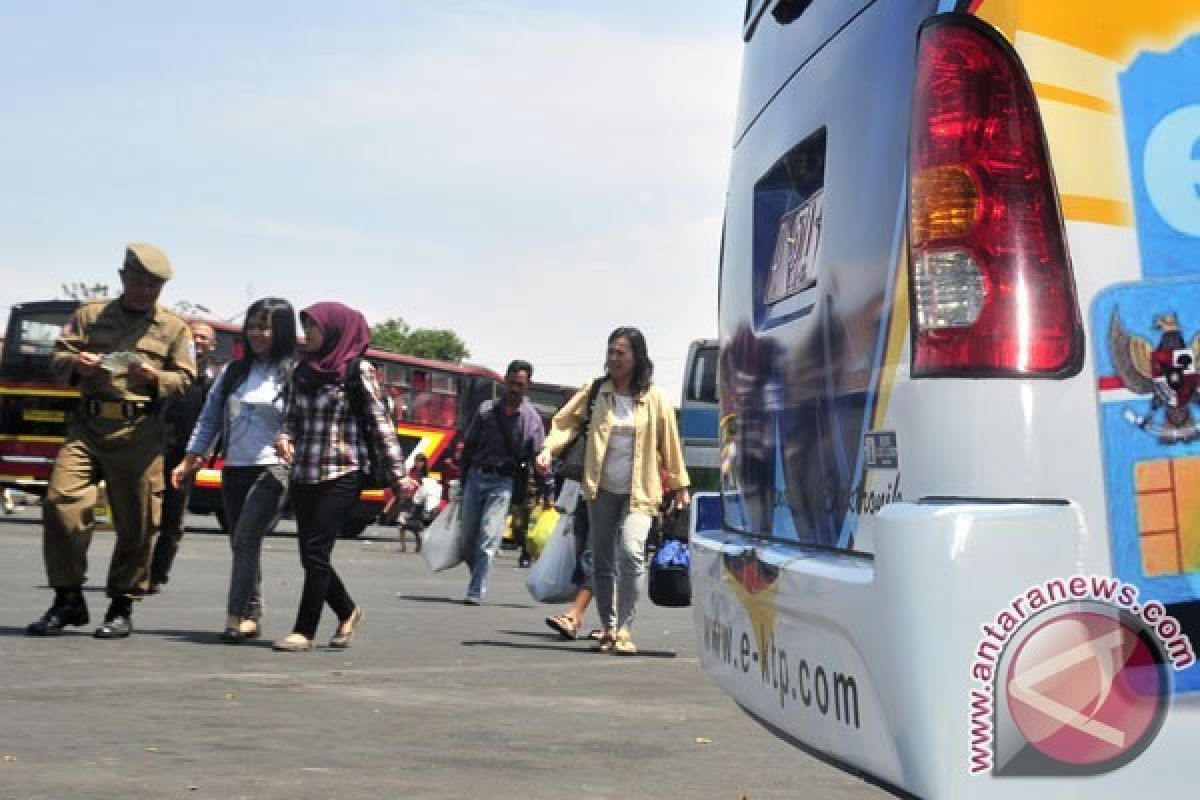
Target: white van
959	326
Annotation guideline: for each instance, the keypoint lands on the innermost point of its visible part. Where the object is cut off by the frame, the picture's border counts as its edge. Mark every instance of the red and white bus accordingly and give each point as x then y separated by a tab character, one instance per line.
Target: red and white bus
431	402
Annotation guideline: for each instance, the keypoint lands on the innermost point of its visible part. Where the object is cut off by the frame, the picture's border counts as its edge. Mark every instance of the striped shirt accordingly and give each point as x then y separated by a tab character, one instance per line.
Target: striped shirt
327	438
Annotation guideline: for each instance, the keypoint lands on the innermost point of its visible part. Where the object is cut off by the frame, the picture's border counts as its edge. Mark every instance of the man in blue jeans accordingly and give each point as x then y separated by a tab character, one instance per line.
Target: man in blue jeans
498	448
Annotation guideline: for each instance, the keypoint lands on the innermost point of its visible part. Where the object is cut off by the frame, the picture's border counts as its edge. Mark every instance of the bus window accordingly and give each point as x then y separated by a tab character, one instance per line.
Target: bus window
32	330
702	380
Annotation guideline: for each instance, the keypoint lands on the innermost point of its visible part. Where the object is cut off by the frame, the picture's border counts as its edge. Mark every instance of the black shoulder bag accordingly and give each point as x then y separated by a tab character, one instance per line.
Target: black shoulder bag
574	452
375	471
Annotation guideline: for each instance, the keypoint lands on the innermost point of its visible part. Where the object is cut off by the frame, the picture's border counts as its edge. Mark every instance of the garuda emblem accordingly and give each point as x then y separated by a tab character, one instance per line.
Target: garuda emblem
1166	372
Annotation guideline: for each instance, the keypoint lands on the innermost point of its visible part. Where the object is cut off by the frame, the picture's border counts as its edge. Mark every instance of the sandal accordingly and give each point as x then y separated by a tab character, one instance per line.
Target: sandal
249	629
604	644
566	627
293	643
595	634
623	645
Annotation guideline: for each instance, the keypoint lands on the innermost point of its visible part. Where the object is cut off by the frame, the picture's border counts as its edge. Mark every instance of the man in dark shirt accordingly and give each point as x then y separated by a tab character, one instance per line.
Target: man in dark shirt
499	445
180	418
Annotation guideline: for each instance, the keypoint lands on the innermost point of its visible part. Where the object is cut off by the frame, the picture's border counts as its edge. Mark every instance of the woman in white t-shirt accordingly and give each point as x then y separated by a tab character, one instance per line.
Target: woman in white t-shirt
632	441
245	408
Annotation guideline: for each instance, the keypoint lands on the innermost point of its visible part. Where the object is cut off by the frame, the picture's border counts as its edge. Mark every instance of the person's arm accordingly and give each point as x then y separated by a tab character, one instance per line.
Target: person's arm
670	451
471	441
209	423
565	423
69	362
178	370
535	438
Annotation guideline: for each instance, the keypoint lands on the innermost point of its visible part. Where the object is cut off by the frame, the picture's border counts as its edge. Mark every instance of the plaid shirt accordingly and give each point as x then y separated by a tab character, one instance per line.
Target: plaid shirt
327	437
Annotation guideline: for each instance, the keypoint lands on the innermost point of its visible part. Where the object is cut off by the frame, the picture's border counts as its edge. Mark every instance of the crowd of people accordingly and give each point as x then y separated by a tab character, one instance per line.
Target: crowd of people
306	421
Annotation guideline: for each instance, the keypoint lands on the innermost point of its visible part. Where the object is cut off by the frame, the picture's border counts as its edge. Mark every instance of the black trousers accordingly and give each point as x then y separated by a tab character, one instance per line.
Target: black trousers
170	528
320	511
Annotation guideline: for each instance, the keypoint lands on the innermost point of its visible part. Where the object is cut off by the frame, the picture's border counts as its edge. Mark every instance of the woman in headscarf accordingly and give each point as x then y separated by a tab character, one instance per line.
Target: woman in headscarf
325	438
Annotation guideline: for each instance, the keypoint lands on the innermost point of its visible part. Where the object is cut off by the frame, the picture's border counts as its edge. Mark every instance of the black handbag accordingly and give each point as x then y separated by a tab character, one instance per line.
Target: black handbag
576	450
669	585
375	474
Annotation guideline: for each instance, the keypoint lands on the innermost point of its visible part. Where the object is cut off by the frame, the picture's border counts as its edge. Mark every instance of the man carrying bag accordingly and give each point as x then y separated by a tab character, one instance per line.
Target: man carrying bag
499	445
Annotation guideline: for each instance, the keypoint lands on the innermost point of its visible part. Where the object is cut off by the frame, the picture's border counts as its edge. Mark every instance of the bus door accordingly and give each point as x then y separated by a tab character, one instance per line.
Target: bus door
33	407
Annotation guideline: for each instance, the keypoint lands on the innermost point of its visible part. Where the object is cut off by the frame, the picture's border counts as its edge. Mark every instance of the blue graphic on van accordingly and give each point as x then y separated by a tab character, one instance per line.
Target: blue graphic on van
1147	381
1160	99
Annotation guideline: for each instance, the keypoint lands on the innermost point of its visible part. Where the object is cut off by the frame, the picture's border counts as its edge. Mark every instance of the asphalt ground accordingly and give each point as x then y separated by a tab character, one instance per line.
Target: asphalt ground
434	700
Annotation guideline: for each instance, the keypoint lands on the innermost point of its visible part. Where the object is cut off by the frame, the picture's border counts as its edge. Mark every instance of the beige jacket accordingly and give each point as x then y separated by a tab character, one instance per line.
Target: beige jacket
655	444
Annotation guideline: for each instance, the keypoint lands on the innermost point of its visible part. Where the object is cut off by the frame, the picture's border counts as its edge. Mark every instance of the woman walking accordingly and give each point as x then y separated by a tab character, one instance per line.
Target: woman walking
335	412
630	437
245	407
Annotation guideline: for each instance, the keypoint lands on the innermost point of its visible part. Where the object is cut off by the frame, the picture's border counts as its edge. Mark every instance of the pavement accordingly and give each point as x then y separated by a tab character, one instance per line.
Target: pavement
434	700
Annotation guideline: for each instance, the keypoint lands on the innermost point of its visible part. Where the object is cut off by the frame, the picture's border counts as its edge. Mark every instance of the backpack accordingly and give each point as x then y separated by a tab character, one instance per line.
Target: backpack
375	471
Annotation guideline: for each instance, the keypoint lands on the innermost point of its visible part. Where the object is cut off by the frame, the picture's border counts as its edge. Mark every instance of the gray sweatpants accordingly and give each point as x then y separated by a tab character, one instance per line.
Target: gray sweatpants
618	539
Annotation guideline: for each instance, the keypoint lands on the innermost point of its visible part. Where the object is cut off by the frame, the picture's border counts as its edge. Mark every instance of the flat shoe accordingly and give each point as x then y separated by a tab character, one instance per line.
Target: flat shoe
249	629
623	645
342	640
566	628
604	644
232	636
293	643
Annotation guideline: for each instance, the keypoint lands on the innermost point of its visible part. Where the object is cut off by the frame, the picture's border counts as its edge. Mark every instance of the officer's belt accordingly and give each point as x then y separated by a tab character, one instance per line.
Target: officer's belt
118	409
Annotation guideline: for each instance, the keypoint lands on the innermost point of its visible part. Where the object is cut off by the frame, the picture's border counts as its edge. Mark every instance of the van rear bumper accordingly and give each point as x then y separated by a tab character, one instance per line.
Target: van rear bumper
873	661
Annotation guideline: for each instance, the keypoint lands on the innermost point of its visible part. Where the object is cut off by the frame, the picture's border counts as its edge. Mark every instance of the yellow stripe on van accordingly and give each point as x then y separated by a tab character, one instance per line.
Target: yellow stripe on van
1081	208
897	336
1071	97
1114	29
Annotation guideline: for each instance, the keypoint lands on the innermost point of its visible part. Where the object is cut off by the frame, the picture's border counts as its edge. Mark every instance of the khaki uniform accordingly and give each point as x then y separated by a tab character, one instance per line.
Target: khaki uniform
116	435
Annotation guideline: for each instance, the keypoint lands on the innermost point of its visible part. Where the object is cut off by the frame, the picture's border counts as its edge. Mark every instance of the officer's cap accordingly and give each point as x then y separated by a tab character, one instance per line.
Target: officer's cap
149	259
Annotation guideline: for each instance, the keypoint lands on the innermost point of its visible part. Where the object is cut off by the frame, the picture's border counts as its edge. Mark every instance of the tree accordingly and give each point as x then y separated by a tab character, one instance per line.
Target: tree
440	344
80	291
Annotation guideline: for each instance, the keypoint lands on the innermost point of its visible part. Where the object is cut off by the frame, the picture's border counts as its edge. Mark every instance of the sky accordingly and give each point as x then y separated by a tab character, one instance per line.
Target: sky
528	174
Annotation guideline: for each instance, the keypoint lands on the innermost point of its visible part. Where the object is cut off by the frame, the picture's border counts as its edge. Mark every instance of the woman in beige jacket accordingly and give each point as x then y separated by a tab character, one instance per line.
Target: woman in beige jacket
632	440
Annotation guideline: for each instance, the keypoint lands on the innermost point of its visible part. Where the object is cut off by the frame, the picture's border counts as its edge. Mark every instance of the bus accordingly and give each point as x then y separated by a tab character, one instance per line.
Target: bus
431	402
959	306
698	416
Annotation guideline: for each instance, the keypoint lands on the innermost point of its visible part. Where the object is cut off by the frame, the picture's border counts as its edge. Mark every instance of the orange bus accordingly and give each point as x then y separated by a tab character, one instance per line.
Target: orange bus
431	401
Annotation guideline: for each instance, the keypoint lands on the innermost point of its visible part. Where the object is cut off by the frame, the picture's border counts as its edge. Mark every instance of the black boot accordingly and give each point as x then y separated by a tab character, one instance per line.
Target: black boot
118	621
69	609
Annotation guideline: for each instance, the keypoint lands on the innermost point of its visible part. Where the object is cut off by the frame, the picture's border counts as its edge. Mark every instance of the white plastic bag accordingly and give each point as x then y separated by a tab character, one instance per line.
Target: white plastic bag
549	580
442	543
568	496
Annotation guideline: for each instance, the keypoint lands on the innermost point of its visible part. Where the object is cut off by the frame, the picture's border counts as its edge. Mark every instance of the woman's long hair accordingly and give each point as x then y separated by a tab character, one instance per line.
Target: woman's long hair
643	367
283	340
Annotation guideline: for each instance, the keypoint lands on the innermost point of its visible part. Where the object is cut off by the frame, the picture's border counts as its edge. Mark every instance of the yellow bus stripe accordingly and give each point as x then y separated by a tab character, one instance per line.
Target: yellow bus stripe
9	437
40	392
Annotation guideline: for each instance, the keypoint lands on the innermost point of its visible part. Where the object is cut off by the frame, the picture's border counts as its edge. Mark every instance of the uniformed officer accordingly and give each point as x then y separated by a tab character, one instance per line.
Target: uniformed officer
126	356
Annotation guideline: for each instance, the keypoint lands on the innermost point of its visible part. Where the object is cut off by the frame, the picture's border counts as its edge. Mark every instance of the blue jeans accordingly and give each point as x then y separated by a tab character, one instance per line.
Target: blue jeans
253	499
485	503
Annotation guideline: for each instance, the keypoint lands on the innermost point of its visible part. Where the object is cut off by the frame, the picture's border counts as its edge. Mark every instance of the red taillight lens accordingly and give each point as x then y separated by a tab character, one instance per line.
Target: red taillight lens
992	289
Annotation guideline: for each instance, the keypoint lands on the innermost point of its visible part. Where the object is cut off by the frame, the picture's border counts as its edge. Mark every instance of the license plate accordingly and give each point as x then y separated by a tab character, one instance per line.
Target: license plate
794	265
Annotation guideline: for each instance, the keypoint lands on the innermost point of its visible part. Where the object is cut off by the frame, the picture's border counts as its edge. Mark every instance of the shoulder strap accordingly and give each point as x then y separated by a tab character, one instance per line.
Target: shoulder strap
593	393
506	432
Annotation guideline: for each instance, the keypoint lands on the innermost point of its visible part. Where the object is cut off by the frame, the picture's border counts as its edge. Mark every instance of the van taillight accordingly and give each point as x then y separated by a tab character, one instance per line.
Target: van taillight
992	290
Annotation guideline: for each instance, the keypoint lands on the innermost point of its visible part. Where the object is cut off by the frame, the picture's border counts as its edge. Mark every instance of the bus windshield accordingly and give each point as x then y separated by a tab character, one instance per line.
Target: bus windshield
32	330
